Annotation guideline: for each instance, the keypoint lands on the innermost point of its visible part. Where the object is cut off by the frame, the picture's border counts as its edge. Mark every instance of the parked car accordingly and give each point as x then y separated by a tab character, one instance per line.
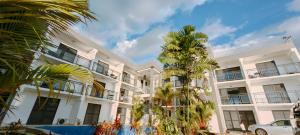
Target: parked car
279	127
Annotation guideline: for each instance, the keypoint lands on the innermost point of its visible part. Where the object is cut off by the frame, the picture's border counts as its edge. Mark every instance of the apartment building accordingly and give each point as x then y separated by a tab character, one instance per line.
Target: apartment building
255	84
120	78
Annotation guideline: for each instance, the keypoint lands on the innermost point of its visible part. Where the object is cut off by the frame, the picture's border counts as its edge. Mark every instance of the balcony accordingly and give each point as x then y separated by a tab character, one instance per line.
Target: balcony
63	85
276	97
125	99
235	99
98	68
229	76
67	56
129	80
106	94
282	69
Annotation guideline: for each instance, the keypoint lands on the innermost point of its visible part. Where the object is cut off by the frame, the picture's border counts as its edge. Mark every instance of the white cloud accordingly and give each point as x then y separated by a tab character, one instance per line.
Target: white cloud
118	19
267	36
294	6
148	44
214	28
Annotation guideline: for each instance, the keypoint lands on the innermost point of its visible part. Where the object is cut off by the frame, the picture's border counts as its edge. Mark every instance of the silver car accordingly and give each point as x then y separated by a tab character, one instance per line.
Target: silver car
279	127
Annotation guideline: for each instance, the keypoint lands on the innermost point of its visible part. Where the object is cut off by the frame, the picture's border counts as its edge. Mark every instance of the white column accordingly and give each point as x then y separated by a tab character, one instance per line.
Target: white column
217	100
249	88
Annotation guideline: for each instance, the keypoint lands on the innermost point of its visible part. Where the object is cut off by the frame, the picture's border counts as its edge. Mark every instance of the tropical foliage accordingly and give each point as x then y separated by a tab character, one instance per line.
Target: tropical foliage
26	26
137	113
184	56
106	128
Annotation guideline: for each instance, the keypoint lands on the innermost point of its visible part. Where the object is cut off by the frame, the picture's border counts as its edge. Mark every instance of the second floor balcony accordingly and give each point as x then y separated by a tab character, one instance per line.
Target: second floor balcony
106	71
235	99
125	99
273	70
104	94
276	97
229	74
67	56
69	86
129	80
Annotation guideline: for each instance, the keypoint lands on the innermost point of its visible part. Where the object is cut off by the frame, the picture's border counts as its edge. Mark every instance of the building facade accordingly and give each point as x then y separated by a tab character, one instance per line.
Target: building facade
79	103
256	84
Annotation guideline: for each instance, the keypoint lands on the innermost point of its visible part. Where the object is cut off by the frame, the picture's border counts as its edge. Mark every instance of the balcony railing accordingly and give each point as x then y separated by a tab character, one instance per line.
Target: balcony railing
66	56
235	99
63	85
105	94
282	69
105	71
125	99
276	97
229	76
129	80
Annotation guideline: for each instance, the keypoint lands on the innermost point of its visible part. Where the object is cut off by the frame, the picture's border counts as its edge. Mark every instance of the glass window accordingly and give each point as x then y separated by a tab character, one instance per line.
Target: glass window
267	69
281	114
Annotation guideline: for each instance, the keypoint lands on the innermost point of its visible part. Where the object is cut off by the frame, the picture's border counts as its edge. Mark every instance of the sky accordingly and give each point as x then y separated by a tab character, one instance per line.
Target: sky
134	29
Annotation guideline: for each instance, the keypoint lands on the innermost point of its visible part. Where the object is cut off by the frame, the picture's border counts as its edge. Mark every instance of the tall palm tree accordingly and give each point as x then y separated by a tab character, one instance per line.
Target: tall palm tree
26	26
184	55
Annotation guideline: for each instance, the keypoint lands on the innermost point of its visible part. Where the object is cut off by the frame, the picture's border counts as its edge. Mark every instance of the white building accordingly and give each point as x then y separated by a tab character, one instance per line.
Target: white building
255	84
120	78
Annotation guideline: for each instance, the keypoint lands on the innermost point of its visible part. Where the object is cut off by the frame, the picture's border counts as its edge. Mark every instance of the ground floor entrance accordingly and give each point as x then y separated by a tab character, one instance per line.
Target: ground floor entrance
233	119
43	111
92	114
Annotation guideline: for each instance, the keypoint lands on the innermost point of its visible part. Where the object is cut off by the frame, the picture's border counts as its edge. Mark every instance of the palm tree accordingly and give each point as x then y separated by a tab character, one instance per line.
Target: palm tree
137	113
184	55
165	94
26	26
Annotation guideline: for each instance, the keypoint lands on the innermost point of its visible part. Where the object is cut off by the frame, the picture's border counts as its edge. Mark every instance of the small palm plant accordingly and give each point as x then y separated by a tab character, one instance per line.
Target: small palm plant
137	114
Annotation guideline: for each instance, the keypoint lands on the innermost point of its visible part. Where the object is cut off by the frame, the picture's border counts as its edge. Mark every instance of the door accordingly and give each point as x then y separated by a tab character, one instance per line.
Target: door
247	118
92	114
280	127
43	111
121	113
232	120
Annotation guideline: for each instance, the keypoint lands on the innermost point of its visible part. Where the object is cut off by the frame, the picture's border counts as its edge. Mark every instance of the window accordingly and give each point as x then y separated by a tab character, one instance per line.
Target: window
102	68
66	53
281	114
276	93
43	111
92	114
282	123
267	69
126	77
96	93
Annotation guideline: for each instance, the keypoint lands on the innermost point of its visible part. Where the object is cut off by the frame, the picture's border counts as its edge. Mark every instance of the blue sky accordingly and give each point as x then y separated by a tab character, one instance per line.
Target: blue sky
134	28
